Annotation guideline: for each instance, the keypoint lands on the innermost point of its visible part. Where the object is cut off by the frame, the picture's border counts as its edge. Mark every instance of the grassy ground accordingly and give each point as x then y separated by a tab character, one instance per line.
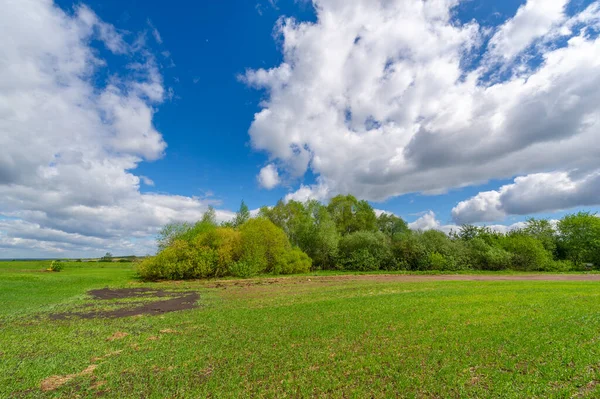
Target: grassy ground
327	337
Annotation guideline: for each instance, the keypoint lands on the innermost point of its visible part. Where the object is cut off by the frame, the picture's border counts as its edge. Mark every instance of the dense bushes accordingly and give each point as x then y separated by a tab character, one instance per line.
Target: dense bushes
346	234
205	250
364	250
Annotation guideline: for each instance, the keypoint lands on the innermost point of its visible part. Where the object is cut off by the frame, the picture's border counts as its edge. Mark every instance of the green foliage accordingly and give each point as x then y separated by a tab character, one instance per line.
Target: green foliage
55	266
263	244
206	251
351	215
543	231
346	234
391	225
242	215
182	231
243	269
579	238
527	253
181	260
293	262
108	257
365	250
409	252
210	216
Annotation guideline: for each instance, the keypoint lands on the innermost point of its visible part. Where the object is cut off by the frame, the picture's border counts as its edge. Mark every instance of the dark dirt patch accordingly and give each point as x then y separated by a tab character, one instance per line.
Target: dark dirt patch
177	300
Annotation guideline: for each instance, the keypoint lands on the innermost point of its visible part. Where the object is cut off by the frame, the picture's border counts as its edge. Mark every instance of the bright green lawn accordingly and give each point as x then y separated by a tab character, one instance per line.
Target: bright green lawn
299	338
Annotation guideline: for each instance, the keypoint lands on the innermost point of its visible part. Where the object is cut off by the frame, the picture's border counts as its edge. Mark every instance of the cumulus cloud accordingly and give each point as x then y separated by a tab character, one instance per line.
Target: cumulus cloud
268	177
429	221
383	98
533	20
70	147
541	192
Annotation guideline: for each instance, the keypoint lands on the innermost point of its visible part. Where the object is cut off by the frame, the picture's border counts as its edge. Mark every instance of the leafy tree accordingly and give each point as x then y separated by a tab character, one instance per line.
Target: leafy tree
468	232
543	231
409	252
210	216
322	243
527	252
181	231
107	257
242	215
365	250
263	244
308	226
351	215
391	225
579	236
169	233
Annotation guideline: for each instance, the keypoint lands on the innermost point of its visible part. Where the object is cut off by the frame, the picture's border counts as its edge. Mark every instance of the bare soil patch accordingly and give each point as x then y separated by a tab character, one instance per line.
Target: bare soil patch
175	301
56	381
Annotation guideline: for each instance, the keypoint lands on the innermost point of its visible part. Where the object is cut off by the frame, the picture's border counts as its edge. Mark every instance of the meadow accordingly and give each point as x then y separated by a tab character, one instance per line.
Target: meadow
334	335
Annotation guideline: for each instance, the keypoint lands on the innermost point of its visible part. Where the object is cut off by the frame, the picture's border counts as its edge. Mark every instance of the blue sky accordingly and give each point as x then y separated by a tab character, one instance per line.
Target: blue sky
236	87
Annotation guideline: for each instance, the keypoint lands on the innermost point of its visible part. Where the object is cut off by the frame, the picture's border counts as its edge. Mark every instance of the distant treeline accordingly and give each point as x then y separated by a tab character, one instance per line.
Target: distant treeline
346	234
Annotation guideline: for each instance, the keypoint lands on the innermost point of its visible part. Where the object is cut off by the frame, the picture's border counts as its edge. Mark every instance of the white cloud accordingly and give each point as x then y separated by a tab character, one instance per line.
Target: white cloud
429	221
147	181
381	98
541	192
533	20
319	192
69	146
268	177
155	32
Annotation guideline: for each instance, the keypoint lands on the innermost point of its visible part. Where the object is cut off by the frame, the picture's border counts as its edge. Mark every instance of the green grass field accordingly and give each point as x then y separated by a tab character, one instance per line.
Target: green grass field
303	336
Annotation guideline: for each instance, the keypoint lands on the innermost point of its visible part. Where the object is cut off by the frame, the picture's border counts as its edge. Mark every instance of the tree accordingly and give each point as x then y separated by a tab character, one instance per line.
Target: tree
365	250
468	232
391	225
579	236
107	257
527	253
169	233
210	216
350	214
242	215
543	231
263	245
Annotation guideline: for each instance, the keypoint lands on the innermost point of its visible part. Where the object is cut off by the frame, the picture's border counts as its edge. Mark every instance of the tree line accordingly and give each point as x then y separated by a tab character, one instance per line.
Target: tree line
346	234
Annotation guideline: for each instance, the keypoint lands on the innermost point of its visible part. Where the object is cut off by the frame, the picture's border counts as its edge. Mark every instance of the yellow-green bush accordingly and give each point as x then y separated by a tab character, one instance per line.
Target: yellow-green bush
293	262
227	244
181	260
258	247
263	245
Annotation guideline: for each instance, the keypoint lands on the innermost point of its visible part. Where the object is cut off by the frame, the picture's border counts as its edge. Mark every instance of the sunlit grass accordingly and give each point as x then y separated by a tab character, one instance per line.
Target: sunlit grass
299	338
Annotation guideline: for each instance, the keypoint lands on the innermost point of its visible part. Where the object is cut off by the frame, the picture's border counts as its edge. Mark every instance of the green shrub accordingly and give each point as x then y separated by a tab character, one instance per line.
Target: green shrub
437	261
483	256
409	252
293	262
560	266
243	269
259	247
364	251
527	253
226	242
263	244
55	266
182	260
